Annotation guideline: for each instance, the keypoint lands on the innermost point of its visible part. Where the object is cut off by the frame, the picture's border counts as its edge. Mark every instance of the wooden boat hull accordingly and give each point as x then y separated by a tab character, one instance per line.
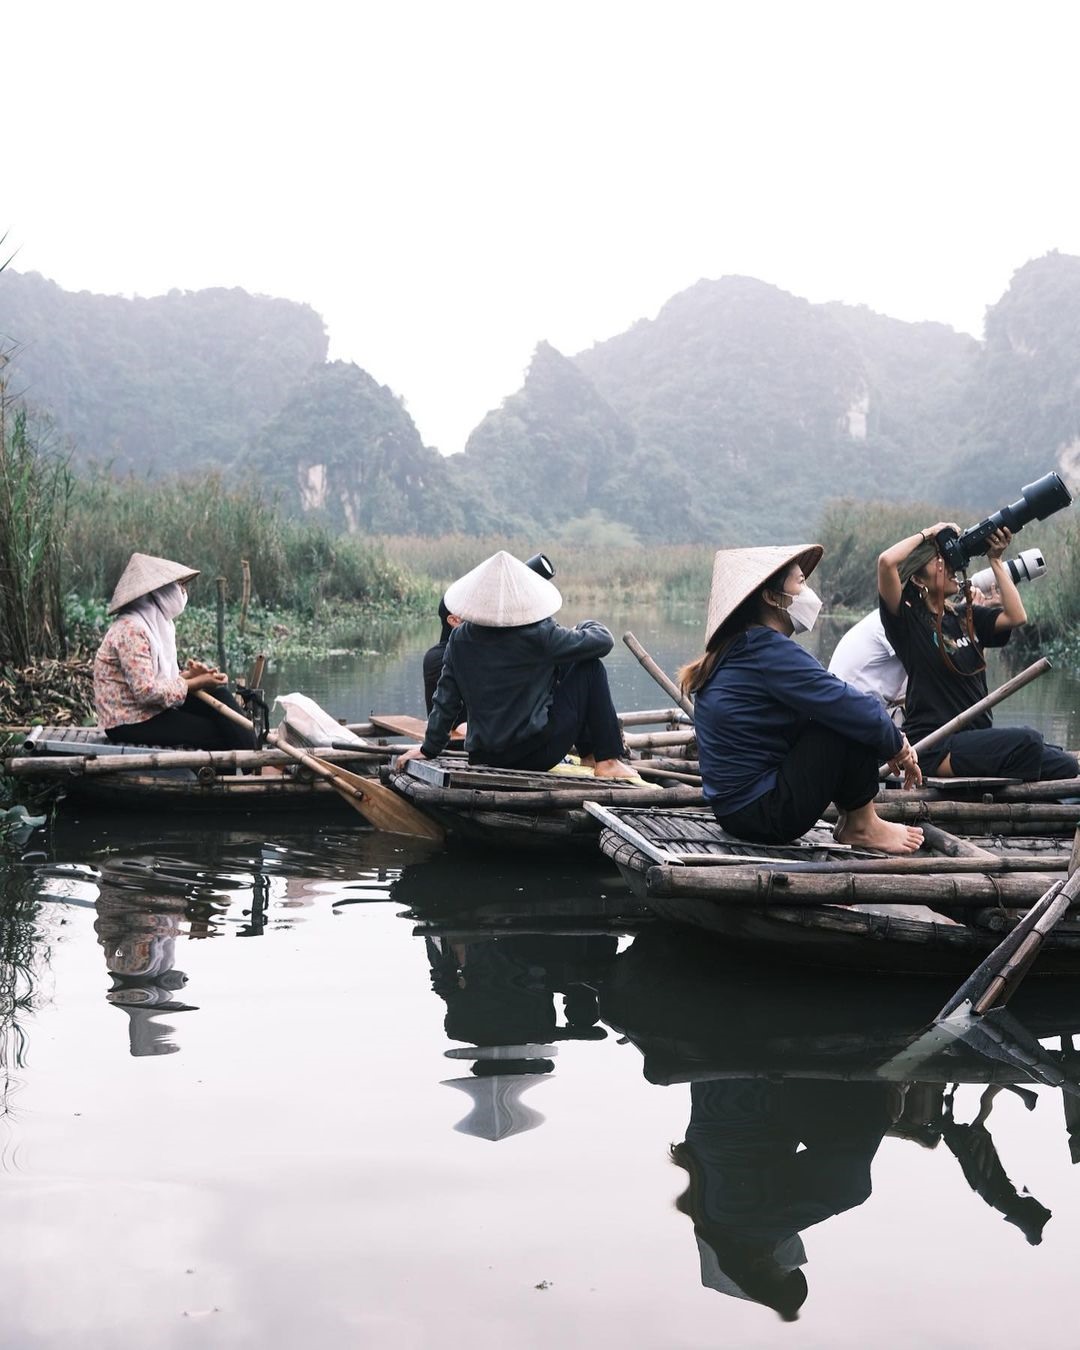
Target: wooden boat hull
516	809
843	918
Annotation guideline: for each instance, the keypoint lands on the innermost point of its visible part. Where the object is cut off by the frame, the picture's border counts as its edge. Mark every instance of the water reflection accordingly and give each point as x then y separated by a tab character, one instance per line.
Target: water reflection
796	1078
500	995
139	943
23	954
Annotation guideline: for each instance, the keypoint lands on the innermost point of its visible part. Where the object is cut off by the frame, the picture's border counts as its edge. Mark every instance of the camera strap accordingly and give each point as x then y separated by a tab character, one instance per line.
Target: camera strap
969	627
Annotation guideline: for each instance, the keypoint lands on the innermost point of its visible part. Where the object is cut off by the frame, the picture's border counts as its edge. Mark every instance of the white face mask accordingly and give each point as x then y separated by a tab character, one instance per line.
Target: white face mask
804	609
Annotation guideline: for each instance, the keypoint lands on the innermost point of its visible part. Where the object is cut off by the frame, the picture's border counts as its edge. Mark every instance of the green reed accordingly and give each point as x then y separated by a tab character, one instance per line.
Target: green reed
35	488
583	570
213	527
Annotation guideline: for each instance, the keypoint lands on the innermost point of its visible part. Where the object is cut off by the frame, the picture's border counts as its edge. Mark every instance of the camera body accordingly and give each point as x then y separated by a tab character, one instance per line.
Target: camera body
1025	566
1037	501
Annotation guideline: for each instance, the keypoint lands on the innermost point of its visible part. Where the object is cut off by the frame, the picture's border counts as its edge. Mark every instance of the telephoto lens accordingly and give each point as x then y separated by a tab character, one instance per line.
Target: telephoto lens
542	565
1037	501
1025	567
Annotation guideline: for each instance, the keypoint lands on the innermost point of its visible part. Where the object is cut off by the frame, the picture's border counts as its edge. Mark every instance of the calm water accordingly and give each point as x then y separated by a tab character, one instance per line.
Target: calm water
286	1084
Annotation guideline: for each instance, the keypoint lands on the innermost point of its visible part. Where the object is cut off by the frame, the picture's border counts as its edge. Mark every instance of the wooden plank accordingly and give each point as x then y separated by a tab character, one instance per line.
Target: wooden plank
401	724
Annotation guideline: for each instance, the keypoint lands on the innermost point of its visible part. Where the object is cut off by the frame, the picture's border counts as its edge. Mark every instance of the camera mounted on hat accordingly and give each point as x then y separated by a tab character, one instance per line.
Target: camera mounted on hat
1037	501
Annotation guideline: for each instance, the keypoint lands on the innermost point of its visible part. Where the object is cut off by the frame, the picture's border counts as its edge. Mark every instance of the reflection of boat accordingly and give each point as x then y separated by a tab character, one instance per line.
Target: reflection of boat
459	894
698	1010
515	808
816	901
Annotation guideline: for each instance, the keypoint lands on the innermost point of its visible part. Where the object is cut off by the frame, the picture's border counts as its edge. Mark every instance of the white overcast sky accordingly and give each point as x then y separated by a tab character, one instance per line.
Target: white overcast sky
449	183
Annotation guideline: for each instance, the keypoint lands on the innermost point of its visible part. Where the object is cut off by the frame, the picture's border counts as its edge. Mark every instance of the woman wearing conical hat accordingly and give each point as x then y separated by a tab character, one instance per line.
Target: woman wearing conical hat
534	689
141	695
779	738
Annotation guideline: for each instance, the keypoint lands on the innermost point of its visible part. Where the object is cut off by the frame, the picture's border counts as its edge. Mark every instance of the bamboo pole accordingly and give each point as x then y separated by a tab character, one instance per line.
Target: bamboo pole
754	886
245	595
665	682
221	622
650	739
67	766
230	713
652	716
961	720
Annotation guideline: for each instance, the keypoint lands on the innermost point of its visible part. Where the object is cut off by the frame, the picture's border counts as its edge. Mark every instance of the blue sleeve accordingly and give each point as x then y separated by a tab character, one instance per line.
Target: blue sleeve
798	680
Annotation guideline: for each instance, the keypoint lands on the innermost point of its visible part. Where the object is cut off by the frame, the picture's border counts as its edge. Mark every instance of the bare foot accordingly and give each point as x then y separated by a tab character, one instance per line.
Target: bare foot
612	768
885	835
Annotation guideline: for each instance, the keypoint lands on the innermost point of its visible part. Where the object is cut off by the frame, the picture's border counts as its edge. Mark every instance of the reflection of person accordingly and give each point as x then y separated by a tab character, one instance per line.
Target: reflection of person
139	945
766	1160
778	736
942	652
500	995
533	688
141	695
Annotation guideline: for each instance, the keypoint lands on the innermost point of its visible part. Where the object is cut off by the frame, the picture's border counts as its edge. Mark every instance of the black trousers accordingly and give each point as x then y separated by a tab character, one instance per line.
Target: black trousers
1002	752
821	767
582	714
193	724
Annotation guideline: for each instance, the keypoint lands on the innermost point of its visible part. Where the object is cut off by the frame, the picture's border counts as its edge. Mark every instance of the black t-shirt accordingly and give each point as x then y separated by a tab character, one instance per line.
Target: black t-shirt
936	694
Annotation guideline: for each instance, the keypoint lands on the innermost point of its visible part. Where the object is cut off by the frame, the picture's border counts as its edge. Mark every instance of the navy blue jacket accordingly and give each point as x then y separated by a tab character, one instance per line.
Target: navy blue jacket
507	678
757	703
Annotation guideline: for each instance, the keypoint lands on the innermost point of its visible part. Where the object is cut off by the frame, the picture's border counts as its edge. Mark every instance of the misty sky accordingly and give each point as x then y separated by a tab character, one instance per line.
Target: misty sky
449	182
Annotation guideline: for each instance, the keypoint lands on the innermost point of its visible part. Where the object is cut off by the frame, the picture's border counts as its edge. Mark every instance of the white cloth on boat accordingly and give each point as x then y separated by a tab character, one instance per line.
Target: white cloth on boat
309	724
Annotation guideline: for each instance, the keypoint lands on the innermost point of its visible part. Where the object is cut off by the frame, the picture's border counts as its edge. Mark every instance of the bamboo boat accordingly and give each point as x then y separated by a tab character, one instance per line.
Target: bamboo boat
94	772
815	901
518	808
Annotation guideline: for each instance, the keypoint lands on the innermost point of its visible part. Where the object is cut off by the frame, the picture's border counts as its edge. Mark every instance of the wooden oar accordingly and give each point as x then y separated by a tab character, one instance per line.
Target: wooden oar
665	682
230	713
961	720
380	806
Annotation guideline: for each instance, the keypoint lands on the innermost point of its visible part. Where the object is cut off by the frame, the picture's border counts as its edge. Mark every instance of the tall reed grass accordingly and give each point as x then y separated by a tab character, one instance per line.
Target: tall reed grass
583	571
213	527
35	490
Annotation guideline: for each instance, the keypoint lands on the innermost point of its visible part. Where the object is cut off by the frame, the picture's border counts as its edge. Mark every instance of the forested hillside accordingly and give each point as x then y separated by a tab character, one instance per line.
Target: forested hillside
735	414
1025	389
344	451
152	384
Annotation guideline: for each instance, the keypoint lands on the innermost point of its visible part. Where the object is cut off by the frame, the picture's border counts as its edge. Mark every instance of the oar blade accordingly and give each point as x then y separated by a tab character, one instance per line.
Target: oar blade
382	806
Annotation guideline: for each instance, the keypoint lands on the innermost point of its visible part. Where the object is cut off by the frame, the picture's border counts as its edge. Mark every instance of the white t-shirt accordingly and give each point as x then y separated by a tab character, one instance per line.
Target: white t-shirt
865	658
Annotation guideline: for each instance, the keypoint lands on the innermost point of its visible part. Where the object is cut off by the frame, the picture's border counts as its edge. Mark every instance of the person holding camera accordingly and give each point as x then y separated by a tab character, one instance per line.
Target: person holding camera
779	738
941	645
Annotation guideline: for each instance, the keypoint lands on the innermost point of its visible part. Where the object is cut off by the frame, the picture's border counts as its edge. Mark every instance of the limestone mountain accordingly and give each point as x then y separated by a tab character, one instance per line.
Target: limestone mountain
1025	389
345	451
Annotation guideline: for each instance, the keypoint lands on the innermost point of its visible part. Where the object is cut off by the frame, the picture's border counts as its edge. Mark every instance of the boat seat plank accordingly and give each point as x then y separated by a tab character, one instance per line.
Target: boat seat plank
401	724
453	773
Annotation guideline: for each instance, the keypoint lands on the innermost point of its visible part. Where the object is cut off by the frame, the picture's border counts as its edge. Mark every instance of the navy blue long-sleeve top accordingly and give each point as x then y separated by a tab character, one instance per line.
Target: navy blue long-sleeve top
506	676
756	704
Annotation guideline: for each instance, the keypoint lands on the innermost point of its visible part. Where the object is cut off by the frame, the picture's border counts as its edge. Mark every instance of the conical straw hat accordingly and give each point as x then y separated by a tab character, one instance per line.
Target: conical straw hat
738	572
502	593
143	574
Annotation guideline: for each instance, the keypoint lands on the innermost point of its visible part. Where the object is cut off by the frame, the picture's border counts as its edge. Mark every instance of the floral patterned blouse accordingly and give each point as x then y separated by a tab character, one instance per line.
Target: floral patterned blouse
126	690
